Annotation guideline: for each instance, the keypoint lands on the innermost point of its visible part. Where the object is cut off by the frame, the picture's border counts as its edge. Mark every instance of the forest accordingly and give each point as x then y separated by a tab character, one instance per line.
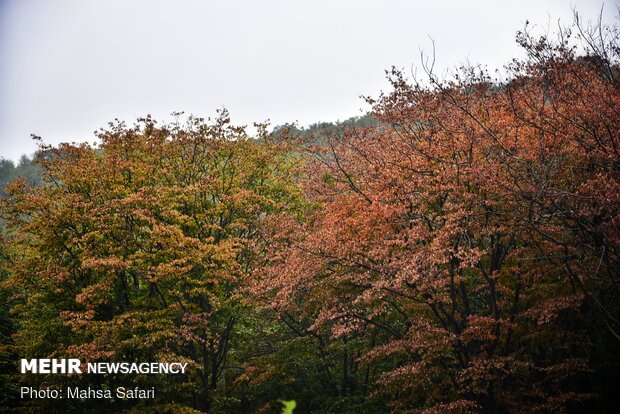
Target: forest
457	250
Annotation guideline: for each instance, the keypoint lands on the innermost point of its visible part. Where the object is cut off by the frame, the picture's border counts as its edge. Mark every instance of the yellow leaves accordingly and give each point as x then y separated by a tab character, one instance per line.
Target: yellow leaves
16	187
147	330
137	236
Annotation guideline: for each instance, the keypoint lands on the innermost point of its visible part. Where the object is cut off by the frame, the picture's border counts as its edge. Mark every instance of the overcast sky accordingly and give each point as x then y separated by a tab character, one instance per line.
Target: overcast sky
69	67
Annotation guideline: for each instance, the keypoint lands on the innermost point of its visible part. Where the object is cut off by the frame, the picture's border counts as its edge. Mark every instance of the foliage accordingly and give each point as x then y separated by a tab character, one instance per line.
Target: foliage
26	168
136	252
288	406
317	133
466	253
457	250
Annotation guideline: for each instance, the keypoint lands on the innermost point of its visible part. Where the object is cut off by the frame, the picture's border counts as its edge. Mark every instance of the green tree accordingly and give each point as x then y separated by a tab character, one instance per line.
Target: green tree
137	252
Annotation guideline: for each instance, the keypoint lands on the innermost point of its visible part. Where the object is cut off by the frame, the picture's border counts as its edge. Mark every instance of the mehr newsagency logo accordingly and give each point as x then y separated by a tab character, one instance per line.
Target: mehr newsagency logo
75	366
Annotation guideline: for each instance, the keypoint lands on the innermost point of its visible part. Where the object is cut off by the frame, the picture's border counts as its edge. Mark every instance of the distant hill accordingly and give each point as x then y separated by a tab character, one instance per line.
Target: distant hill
26	168
318	131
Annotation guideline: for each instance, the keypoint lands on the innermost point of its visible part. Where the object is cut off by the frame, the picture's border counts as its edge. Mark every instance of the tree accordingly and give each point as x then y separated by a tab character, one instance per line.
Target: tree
470	241
135	251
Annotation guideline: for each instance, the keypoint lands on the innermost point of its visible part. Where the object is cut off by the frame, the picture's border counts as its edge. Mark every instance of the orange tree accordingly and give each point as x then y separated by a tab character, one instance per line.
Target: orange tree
135	251
466	254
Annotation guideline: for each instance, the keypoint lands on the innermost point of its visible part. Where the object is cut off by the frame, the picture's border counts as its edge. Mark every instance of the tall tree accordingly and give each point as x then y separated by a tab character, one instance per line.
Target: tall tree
135	251
471	241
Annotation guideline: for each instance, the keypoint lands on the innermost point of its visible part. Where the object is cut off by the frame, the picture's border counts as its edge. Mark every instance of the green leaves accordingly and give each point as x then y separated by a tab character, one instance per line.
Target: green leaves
288	406
141	249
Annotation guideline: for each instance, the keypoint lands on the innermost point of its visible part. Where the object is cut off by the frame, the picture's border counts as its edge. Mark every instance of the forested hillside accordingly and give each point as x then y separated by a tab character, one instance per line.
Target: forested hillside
455	251
318	132
26	168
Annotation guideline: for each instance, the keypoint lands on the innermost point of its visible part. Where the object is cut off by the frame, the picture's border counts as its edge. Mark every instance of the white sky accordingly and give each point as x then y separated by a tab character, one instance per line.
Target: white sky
69	67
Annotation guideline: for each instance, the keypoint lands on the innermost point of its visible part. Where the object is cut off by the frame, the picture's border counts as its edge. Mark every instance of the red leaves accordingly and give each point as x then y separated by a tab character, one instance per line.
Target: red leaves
475	209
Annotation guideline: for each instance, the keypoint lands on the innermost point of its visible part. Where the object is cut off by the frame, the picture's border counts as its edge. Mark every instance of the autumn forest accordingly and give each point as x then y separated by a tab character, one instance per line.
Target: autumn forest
457	250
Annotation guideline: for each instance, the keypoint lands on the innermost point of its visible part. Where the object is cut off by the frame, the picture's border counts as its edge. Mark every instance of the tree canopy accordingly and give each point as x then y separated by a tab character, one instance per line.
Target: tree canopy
455	251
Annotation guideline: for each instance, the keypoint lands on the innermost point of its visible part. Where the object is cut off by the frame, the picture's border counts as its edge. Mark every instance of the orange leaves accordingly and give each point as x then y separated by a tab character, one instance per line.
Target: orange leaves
473	210
548	310
107	262
95	294
464	252
480	329
77	320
